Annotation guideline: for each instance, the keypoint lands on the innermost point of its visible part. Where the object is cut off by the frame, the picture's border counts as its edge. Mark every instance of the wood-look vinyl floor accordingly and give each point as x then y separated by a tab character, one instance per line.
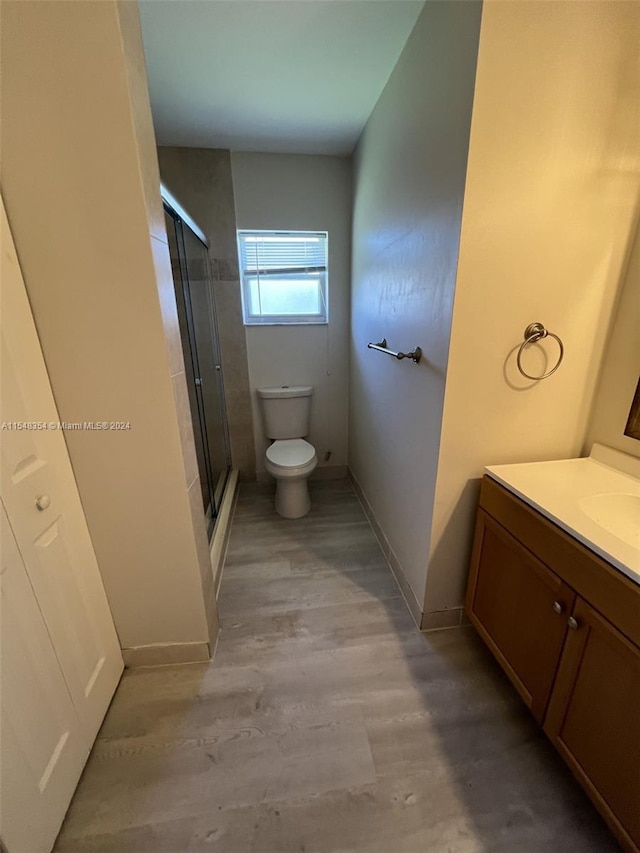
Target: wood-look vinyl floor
326	723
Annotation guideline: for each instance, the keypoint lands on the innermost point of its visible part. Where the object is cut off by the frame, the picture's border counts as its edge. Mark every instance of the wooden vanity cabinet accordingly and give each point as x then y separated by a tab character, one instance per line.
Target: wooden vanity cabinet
565	627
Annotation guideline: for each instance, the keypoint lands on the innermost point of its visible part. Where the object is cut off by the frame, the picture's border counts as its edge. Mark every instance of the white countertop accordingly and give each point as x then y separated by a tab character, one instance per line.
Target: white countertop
596	499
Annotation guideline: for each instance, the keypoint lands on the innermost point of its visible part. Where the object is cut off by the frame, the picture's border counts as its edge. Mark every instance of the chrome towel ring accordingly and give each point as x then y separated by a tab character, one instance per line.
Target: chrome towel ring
533	333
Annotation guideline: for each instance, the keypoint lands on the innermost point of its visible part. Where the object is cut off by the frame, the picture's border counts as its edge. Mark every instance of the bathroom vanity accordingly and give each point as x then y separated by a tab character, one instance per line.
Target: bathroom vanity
554	591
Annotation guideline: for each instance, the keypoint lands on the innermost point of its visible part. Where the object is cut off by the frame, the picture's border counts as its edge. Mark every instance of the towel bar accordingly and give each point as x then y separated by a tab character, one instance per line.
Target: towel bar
415	355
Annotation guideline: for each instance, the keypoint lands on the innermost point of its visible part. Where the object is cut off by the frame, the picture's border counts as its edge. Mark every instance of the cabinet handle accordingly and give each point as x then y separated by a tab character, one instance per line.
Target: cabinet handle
558	606
573	623
43	502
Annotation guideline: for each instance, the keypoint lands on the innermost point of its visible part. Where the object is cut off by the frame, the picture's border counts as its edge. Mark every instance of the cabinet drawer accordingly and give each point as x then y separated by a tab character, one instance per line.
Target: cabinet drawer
611	592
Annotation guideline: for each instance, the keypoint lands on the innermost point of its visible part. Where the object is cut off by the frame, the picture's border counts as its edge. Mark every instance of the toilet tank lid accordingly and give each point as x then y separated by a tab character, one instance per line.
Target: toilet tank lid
285	391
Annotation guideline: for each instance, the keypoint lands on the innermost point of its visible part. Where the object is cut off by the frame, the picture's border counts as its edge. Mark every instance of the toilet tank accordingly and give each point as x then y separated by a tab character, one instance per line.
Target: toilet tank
286	410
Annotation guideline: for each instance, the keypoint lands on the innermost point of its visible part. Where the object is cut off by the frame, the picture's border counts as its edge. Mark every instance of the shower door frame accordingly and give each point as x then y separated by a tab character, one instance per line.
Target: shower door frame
215	488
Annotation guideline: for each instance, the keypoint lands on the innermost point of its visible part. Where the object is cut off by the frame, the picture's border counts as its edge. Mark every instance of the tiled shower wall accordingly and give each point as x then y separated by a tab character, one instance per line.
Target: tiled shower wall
200	178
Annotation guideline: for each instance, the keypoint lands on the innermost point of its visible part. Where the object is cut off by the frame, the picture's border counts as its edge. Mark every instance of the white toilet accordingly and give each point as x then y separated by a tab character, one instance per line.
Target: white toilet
290	459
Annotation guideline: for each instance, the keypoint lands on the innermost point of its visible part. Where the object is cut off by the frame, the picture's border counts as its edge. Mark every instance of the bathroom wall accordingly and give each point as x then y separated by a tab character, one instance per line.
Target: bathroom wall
621	367
81	186
303	193
551	198
408	185
200	179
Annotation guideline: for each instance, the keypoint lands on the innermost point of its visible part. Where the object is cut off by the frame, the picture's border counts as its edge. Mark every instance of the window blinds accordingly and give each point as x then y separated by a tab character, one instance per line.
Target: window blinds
282	252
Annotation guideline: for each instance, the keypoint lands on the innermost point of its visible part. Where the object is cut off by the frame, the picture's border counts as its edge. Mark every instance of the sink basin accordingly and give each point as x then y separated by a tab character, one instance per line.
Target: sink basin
616	512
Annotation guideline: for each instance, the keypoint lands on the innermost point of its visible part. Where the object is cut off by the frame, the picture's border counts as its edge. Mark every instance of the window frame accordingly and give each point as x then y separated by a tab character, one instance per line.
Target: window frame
246	276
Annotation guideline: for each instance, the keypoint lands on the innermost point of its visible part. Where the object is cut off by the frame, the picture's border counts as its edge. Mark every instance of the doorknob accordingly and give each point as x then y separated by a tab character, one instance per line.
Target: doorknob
43	502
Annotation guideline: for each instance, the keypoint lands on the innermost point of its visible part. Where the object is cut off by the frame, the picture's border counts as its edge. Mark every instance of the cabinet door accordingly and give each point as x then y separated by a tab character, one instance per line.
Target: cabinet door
594	716
519	607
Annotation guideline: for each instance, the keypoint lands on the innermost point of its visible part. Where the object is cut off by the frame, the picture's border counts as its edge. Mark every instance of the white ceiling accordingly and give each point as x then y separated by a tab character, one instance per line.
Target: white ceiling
291	76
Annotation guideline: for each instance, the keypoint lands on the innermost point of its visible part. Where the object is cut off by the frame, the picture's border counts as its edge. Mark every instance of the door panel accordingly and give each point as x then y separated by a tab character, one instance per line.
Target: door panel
53	538
198	330
206	338
597	694
511	602
192	370
43	744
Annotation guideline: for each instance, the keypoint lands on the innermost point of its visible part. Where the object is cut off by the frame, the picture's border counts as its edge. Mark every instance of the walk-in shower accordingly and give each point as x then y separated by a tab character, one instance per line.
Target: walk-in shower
189	248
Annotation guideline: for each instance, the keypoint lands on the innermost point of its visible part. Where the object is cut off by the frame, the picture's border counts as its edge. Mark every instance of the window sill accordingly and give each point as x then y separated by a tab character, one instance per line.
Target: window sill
269	323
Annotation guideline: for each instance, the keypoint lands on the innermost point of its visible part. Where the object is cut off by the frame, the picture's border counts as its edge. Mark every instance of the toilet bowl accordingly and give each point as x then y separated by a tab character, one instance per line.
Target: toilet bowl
291	461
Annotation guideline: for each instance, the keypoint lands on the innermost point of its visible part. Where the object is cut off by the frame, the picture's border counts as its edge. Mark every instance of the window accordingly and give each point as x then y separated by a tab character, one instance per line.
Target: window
284	277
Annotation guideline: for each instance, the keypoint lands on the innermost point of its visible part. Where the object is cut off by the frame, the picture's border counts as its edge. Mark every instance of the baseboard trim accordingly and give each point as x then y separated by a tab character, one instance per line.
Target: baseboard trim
429	620
394	564
220	541
436	620
161	654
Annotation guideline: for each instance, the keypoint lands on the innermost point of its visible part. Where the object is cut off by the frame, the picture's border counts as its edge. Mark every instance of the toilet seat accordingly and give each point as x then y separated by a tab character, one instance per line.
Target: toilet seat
291	453
290	458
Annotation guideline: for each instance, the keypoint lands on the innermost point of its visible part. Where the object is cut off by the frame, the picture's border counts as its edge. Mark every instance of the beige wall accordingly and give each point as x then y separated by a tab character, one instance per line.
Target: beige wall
148	165
550	202
621	367
408	185
305	193
81	186
200	179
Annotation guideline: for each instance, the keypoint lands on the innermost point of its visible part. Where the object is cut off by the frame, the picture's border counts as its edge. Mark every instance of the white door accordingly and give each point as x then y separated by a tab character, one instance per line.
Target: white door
44	511
42	740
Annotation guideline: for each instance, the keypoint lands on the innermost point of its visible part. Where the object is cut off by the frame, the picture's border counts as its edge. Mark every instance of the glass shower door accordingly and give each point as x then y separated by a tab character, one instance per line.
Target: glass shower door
205	335
198	331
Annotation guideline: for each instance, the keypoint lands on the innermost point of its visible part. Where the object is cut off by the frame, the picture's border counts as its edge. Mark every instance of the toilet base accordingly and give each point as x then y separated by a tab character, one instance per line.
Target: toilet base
292	498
